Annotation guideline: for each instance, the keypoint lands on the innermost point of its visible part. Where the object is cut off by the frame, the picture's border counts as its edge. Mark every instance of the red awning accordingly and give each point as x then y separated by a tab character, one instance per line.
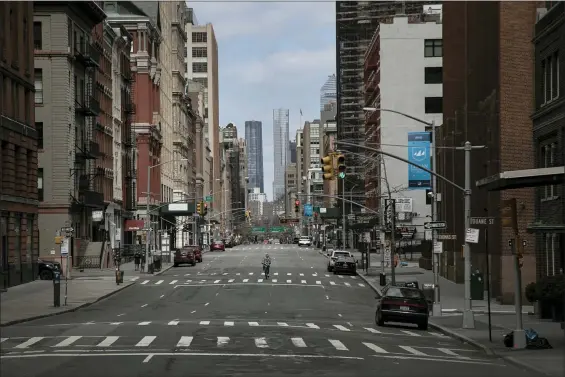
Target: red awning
134	225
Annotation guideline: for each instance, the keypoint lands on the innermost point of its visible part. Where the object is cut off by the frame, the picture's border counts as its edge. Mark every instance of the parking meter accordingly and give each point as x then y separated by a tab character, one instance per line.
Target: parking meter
56	288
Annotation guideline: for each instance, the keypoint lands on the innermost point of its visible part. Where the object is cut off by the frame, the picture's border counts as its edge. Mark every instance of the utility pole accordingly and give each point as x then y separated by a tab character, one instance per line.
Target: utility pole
436	308
343	213
307	201
468	318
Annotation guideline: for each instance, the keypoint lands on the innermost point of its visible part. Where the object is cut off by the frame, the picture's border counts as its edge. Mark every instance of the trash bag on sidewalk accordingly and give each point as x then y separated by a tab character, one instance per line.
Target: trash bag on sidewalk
533	340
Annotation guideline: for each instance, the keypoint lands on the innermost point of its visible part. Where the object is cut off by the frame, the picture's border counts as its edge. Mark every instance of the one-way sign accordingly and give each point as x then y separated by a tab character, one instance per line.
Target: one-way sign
435	225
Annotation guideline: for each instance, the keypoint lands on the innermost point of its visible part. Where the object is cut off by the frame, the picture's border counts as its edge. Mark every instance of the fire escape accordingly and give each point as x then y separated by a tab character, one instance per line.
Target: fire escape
128	142
87	150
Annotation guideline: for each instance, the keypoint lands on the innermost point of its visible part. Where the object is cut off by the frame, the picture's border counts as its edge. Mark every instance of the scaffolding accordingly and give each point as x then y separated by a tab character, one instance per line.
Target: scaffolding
356	23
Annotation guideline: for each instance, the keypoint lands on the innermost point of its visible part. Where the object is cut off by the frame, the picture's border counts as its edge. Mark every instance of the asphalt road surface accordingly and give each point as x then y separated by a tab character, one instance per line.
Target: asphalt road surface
222	318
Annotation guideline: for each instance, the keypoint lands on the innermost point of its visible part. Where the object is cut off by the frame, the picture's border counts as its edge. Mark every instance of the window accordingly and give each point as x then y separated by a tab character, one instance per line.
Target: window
434	105
548	154
433	75
199	67
199	37
199	52
38	85
433	48
16	99
39	129
201	80
551	246
550	78
40	184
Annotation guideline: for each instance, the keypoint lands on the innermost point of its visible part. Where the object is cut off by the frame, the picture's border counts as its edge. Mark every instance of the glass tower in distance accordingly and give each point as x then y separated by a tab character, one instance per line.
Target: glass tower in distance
254	141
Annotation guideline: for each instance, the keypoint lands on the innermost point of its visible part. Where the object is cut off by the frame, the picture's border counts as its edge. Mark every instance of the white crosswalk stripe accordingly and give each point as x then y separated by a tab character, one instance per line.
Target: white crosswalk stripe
173	323
222	341
144	323
173	282
340	327
298	342
204	323
411	333
261	343
108	341
159	282
253	323
338	345
184	341
228	323
67	342
374	347
146	341
413	351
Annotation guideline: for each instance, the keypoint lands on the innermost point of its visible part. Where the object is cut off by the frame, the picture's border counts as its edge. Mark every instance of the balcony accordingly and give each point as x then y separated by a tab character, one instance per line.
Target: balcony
87	54
89	150
89	106
129	108
92	199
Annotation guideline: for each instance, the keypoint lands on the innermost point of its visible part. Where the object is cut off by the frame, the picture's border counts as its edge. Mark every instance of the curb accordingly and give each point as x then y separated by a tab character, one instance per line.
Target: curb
461	337
163	271
81	306
371	285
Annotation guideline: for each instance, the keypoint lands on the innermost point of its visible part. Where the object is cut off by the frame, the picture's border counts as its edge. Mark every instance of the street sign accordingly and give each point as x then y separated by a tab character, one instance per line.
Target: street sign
446	237
67	229
482	220
435	225
208	198
258	229
277	229
472	235
438	247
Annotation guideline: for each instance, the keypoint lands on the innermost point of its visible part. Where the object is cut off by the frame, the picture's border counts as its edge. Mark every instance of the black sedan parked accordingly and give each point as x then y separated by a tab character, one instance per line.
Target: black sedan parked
46	269
345	264
402	304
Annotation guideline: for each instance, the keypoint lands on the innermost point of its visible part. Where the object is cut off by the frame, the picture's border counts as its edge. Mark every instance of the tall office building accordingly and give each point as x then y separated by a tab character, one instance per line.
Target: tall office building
254	145
280	143
328	92
292	152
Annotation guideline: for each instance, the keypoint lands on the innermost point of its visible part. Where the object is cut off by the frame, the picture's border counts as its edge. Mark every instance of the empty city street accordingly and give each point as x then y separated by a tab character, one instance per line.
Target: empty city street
222	317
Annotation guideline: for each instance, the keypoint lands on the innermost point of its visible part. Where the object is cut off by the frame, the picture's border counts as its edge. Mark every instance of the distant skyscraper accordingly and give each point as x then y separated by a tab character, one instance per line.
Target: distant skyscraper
280	142
328	92
254	145
292	152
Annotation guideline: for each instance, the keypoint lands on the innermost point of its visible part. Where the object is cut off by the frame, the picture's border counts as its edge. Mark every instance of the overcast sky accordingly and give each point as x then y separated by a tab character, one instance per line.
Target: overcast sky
271	55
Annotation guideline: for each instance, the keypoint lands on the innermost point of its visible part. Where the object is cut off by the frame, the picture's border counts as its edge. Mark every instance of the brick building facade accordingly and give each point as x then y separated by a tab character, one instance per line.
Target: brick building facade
549	136
487	101
18	147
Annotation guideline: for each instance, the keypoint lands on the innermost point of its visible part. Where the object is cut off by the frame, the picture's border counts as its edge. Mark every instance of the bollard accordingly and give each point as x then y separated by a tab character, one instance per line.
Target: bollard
382	279
117	277
56	289
121	277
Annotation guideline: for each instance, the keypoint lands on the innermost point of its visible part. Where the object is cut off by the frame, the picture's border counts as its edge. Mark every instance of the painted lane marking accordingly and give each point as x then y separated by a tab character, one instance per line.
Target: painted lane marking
276	274
301	274
413	351
318	282
206	304
303	281
144	282
146	341
289	281
231	280
185	341
116	323
261	343
144	323
451	353
30	342
108	341
222	341
332	283
259	280
253	323
298	342
159	282
144	305
251	273
204	323
148	358
369	329
275	280
245	280
346	283
338	345
340	327
173	323
361	284
288	274
67	342
411	333
228	323
374	347
173	282
312	326
216	281
282	324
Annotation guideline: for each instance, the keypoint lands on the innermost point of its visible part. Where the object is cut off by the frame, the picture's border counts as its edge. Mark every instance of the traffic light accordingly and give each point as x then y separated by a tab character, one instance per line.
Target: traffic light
327	167
205	212
341	166
297	206
199	208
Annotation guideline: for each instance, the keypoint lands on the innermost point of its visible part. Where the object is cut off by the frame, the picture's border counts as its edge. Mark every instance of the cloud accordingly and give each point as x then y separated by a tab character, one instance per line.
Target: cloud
286	67
234	19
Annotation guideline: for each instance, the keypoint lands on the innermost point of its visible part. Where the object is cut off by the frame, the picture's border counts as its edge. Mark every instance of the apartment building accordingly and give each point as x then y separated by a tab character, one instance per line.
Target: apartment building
290	183
311	160
70	195
403	72
201	61
243	173
20	139
196	93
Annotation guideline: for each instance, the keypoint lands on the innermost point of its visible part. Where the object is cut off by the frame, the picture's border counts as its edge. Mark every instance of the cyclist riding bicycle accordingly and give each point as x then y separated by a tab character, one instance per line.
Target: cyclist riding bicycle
266	265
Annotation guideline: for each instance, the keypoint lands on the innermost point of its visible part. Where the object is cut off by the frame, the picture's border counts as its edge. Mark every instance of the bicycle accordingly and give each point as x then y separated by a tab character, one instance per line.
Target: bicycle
266	268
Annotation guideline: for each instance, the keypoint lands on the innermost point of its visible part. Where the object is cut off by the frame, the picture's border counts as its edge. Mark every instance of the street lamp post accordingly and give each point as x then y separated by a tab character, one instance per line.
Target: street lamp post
149	266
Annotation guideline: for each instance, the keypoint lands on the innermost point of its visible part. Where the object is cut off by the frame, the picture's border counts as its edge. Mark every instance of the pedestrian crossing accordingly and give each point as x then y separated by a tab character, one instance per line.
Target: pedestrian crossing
345	327
222	278
204	343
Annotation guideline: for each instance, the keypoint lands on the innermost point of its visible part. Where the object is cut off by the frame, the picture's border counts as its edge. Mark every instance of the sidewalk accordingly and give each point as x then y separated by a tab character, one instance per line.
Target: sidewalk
110	273
34	300
549	362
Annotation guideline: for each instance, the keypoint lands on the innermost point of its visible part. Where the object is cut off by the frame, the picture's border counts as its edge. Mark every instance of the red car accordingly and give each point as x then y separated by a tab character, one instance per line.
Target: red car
186	255
218	245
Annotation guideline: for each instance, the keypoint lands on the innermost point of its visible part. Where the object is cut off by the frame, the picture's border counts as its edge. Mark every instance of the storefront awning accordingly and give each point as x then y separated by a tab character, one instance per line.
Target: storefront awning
523	178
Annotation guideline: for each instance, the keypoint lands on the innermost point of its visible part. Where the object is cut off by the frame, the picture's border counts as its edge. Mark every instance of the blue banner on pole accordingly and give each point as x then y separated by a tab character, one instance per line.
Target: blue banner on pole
308	209
419	147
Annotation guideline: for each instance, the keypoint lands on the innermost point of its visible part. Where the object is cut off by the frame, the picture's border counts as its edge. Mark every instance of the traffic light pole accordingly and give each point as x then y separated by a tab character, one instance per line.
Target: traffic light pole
343	212
468	317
